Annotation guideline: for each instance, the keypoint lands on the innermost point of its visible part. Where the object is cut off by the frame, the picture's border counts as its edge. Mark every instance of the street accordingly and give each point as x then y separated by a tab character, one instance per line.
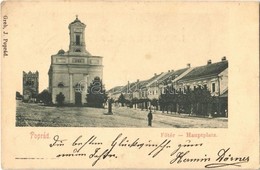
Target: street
31	114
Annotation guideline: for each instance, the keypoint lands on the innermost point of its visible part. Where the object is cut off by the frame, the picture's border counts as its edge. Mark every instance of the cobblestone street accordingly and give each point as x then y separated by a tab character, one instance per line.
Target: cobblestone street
30	114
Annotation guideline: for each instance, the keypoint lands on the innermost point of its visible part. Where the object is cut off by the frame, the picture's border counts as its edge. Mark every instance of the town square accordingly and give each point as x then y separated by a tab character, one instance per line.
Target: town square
31	114
76	96
130	85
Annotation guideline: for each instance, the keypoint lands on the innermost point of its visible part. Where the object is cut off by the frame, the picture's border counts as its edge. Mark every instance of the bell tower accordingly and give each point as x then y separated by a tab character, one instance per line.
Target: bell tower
30	85
77	38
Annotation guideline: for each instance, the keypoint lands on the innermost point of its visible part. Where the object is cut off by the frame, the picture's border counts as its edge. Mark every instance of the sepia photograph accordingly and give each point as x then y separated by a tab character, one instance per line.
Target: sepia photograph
130	84
191	93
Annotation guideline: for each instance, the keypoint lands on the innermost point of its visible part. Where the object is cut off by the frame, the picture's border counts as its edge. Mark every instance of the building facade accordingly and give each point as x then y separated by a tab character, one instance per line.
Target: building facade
71	72
115	92
212	77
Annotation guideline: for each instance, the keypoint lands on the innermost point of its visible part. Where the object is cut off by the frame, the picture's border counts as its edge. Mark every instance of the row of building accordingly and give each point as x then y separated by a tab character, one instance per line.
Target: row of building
212	76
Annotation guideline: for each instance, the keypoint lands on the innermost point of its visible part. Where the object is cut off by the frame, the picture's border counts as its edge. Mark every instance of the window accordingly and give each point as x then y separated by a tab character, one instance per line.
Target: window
213	87
76	60
29	83
60	85
205	86
188	88
77	40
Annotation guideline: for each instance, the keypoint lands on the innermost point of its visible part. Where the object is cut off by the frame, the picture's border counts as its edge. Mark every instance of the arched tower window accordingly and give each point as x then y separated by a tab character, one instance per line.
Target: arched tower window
77	39
60	85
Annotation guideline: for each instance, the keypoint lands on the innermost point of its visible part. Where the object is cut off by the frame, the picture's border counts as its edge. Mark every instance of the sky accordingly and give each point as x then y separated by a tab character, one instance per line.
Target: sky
136	39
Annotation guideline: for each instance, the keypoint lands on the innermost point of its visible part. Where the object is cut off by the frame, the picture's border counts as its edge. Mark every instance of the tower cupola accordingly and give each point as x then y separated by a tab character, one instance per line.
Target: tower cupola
77	38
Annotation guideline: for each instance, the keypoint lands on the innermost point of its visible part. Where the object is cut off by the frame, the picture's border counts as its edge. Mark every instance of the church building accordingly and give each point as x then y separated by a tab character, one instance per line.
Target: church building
73	71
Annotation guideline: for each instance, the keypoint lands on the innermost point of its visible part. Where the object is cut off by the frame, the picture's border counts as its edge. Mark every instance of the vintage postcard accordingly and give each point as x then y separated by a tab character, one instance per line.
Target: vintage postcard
130	85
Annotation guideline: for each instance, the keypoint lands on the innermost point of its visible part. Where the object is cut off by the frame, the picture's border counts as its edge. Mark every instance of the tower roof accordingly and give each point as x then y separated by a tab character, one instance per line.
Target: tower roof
61	52
76	21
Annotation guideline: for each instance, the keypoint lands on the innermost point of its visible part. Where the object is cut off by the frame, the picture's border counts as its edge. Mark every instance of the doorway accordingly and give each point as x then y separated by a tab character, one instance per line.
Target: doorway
78	101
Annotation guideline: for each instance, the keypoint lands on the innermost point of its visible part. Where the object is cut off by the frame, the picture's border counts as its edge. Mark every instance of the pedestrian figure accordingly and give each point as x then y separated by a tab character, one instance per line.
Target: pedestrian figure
150	118
110	106
226	113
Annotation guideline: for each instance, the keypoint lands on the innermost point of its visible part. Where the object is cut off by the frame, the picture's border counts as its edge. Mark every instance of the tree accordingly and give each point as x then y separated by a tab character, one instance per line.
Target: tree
167	99
135	101
60	99
171	99
141	101
129	103
154	102
198	101
121	99
45	97
96	96
162	102
187	98
146	100
18	96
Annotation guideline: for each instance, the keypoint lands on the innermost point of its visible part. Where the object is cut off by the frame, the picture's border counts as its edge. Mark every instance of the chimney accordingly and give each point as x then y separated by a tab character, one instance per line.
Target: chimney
169	71
137	84
128	87
188	65
155	74
209	62
172	70
223	58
